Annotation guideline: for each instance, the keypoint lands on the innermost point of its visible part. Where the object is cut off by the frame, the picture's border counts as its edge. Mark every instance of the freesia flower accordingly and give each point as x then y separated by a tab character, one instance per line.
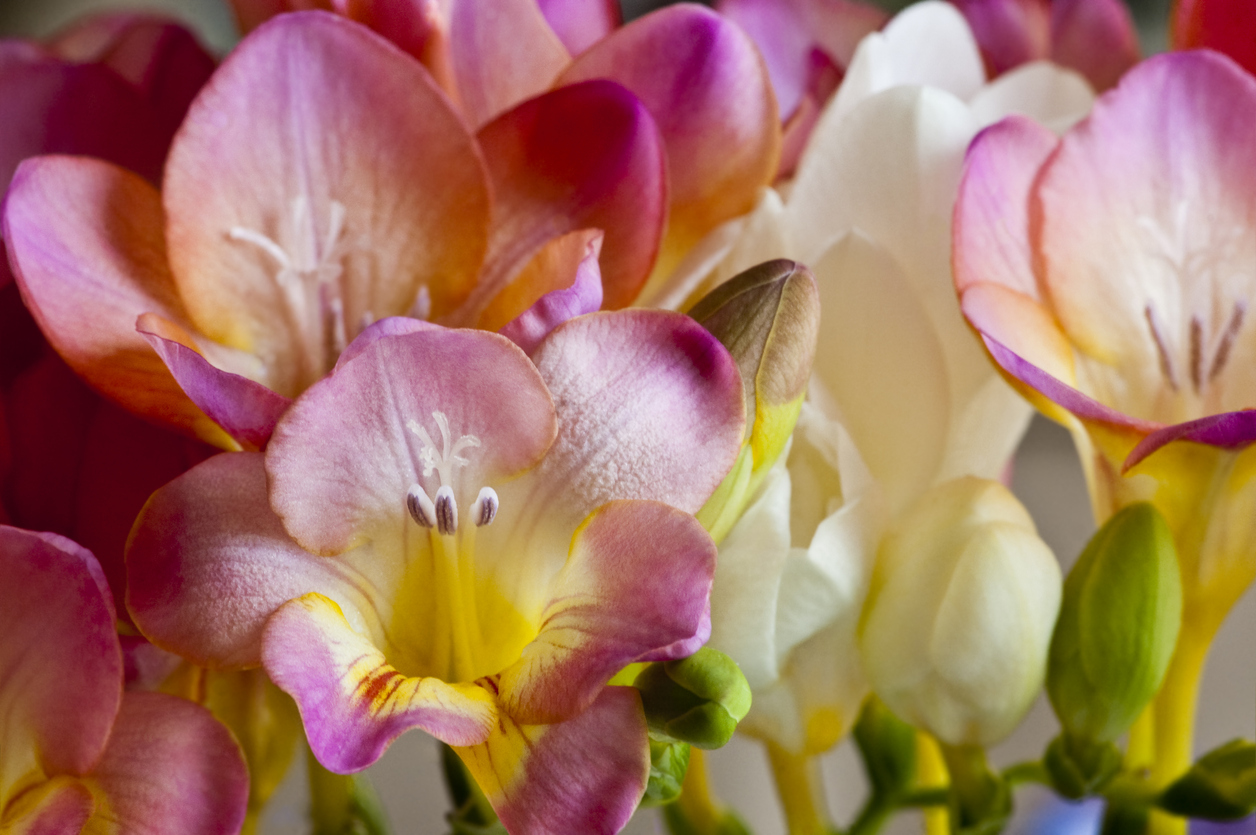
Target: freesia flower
444	534
76	753
290	217
1121	310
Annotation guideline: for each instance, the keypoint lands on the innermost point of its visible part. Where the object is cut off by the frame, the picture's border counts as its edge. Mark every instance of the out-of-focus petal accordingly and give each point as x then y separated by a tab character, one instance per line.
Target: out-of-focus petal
284	146
54	807
209	562
637	580
171	767
1009	32
503	53
246	410
581	23
253	13
59	662
583	775
416	26
1050	95
85	240
1228	26
557	306
705	84
336	488
353	703
1095	37
580	157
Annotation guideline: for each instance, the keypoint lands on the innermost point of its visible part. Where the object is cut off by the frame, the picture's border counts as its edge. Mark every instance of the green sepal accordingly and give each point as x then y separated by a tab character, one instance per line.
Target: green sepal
471	814
678	823
887	745
1220	787
1079	768
343	804
668	763
981	801
698	700
1118	626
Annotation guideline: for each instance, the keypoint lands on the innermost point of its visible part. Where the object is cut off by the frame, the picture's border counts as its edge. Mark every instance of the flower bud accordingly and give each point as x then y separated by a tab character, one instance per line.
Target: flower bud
699	699
959	617
768	317
668	763
1221	786
1118	625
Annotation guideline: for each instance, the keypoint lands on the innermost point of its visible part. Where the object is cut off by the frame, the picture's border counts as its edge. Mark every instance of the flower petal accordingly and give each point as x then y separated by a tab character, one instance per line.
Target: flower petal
580	157
171	767
60	663
1010	32
354	703
246	410
557	306
1230	431
581	23
1048	94
1095	37
702	80
85	242
1228	26
209	562
392	207
583	775
637	580
54	807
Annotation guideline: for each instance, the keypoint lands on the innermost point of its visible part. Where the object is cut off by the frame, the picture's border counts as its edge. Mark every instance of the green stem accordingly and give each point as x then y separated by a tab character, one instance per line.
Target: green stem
343	804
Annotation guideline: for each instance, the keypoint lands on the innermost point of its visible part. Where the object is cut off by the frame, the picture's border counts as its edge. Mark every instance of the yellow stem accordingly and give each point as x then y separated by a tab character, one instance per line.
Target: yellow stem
697	801
798	786
931	773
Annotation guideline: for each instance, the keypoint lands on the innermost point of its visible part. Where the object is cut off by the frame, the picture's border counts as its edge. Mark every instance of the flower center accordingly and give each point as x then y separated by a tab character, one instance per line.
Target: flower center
441	512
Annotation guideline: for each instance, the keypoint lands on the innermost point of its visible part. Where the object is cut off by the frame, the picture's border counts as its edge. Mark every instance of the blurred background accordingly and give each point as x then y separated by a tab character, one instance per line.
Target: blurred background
1047	478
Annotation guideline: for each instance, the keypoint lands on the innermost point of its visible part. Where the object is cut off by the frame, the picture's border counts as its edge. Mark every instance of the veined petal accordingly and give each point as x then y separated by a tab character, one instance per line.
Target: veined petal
581	23
583	775
637	580
503	53
344	455
85	241
584	156
170	767
209	562
354	703
557	306
289	202
1095	37
55	807
390	326
245	409
702	80
60	663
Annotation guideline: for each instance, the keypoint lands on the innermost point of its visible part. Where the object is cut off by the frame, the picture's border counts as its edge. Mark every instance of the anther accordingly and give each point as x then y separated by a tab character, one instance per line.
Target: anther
1197	353
446	511
1227	340
484	511
420	506
1166	364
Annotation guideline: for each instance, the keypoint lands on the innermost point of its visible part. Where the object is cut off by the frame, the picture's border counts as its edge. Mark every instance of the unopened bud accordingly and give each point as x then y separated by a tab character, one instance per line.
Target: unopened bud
698	700
1221	786
959	616
1118	626
668	763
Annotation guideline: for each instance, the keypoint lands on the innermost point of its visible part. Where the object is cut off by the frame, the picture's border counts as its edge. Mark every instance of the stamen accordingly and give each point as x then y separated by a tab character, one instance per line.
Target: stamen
336	315
1166	364
422	307
446	511
1227	340
265	244
420	506
484	511
1197	353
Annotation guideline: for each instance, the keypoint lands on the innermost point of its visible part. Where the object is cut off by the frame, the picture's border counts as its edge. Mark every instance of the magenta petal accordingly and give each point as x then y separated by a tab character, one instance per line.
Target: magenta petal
1231	430
1009	32
551	310
171	767
584	775
389	326
247	410
638	580
57	807
60	665
581	23
1095	37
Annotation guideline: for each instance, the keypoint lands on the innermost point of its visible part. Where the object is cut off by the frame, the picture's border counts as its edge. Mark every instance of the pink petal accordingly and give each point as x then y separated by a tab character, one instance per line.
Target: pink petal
823	78
1009	32
391	326
246	410
250	14
344	456
584	156
171	767
416	26
249	165
503	53
708	91
584	775
557	306
353	703
637	580
60	666
86	245
581	23
1231	431
209	562
1095	37
54	807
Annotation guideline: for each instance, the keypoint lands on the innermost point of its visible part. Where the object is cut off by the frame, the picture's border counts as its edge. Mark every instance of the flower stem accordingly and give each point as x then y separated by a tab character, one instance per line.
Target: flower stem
798	786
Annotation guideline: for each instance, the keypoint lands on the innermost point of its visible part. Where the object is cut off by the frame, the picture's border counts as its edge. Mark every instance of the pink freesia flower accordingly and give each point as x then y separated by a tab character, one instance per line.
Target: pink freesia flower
1228	26
291	217
445	535
76	753
1095	37
1109	273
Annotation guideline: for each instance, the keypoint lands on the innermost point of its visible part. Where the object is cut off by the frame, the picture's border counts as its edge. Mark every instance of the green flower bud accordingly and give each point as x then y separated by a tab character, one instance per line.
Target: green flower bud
1118	626
888	747
768	317
698	700
1221	786
1079	768
668	763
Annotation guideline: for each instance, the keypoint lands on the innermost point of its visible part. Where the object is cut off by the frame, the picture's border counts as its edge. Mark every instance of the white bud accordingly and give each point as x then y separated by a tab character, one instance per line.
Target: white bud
959	618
